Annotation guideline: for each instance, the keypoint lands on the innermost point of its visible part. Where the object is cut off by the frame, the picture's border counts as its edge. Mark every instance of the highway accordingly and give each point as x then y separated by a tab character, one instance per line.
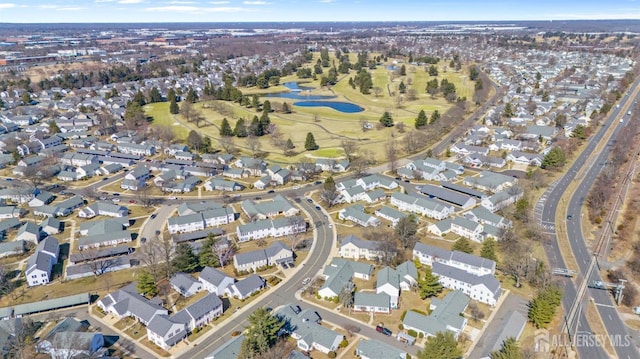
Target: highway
608	313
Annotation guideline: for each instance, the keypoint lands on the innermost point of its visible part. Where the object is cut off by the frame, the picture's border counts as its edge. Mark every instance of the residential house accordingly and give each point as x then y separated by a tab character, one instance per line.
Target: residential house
502	199
303	326
10	212
101	208
29	232
40	264
423	206
41	199
12	248
244	288
331	165
353	247
214	280
375	349
339	273
50	226
278	227
456	198
276	253
254	166
485	288
221	184
373	302
490	181
127	302
445	316
392	215
278	206
486	217
185	284
428	255
357	214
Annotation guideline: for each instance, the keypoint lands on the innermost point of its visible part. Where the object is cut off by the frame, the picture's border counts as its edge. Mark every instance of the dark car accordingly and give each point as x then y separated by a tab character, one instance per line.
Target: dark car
153	216
258	198
318	182
143	239
271	191
309	200
318	208
569	217
383	330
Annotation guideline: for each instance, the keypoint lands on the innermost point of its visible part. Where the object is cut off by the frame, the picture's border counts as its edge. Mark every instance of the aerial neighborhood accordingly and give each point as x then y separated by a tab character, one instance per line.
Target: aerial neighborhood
181	194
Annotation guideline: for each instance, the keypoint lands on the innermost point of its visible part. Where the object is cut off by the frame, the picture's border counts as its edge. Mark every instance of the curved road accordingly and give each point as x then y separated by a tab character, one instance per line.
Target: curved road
614	326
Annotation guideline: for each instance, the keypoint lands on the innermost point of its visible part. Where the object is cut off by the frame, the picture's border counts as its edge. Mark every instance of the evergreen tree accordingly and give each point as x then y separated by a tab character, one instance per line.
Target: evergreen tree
139	98
265	121
402	88
403	70
441	346
53	127
154	95
285	108
290	144
241	128
171	95
261	334
386	119
146	285
421	120
25	98
435	116
554	159
488	249
462	245
185	260
192	96
173	107
310	142
266	107
543	307
206	258
225	128
255	102
508	350
433	70
429	285
254	128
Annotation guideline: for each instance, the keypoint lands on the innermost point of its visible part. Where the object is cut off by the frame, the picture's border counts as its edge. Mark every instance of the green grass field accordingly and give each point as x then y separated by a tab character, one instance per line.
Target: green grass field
328	126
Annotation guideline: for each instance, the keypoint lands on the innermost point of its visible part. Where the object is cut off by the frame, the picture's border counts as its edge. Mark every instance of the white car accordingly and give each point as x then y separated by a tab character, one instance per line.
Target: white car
173	198
330	225
115	200
306	281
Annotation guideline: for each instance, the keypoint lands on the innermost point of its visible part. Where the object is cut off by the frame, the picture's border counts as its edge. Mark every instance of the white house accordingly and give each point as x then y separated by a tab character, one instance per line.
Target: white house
356	248
422	206
39	265
215	281
485	288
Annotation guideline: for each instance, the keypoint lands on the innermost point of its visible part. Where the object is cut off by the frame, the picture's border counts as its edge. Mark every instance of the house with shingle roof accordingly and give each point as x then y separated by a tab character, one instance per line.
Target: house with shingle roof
29	231
392	215
185	284
304	326
276	253
12	248
278	206
423	206
40	264
373	302
357	214
485	288
220	184
102	208
214	280
127	302
353	247
476	265
244	288
278	227
445	316
375	349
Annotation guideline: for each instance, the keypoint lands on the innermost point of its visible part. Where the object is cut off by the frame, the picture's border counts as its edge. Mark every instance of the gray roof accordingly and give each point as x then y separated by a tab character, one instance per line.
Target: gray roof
49	244
194	207
375	349
103	226
203	306
161	324
360	243
186	219
512	326
488	280
183	237
13	246
304	325
391	212
48	304
381	300
444	254
388	275
213	275
102	253
106	237
463	189
73	202
128	299
228	350
278	204
9	223
249	285
446	195
183	281
407	268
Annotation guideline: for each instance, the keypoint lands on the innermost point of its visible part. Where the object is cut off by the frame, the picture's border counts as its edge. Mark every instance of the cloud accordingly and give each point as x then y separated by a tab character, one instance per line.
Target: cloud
255	2
61	8
181	2
218	2
130	1
196	9
7	6
327	1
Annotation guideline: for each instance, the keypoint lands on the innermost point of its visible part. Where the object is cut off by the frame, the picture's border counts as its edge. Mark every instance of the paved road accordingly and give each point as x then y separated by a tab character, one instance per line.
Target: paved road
609	314
285	294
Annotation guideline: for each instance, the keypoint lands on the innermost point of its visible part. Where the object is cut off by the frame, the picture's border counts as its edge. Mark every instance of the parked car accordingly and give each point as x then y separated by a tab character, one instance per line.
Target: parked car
306	281
383	330
271	191
153	216
318	208
132	201
309	200
173	198
115	200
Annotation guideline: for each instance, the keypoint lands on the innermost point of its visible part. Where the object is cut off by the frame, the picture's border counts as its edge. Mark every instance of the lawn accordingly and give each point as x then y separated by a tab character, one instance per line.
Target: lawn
329	126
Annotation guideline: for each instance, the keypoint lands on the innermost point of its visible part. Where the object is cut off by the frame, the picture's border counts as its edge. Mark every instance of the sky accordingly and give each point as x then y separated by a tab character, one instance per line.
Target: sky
101	11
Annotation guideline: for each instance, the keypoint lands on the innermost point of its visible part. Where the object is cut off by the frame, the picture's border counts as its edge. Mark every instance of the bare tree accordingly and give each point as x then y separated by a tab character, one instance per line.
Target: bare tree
98	265
350	148
7	284
254	145
351	329
391	151
224	254
359	166
22	341
377	90
227	144
150	255
295	235
282	349
186	110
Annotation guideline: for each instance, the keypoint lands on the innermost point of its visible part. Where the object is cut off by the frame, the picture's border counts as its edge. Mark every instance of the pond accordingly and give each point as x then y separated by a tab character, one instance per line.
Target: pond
299	93
345	107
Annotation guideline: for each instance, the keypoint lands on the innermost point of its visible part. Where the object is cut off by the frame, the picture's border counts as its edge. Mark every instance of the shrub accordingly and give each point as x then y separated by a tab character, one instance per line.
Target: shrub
332	354
412	333
421	335
403	315
344	343
400	326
